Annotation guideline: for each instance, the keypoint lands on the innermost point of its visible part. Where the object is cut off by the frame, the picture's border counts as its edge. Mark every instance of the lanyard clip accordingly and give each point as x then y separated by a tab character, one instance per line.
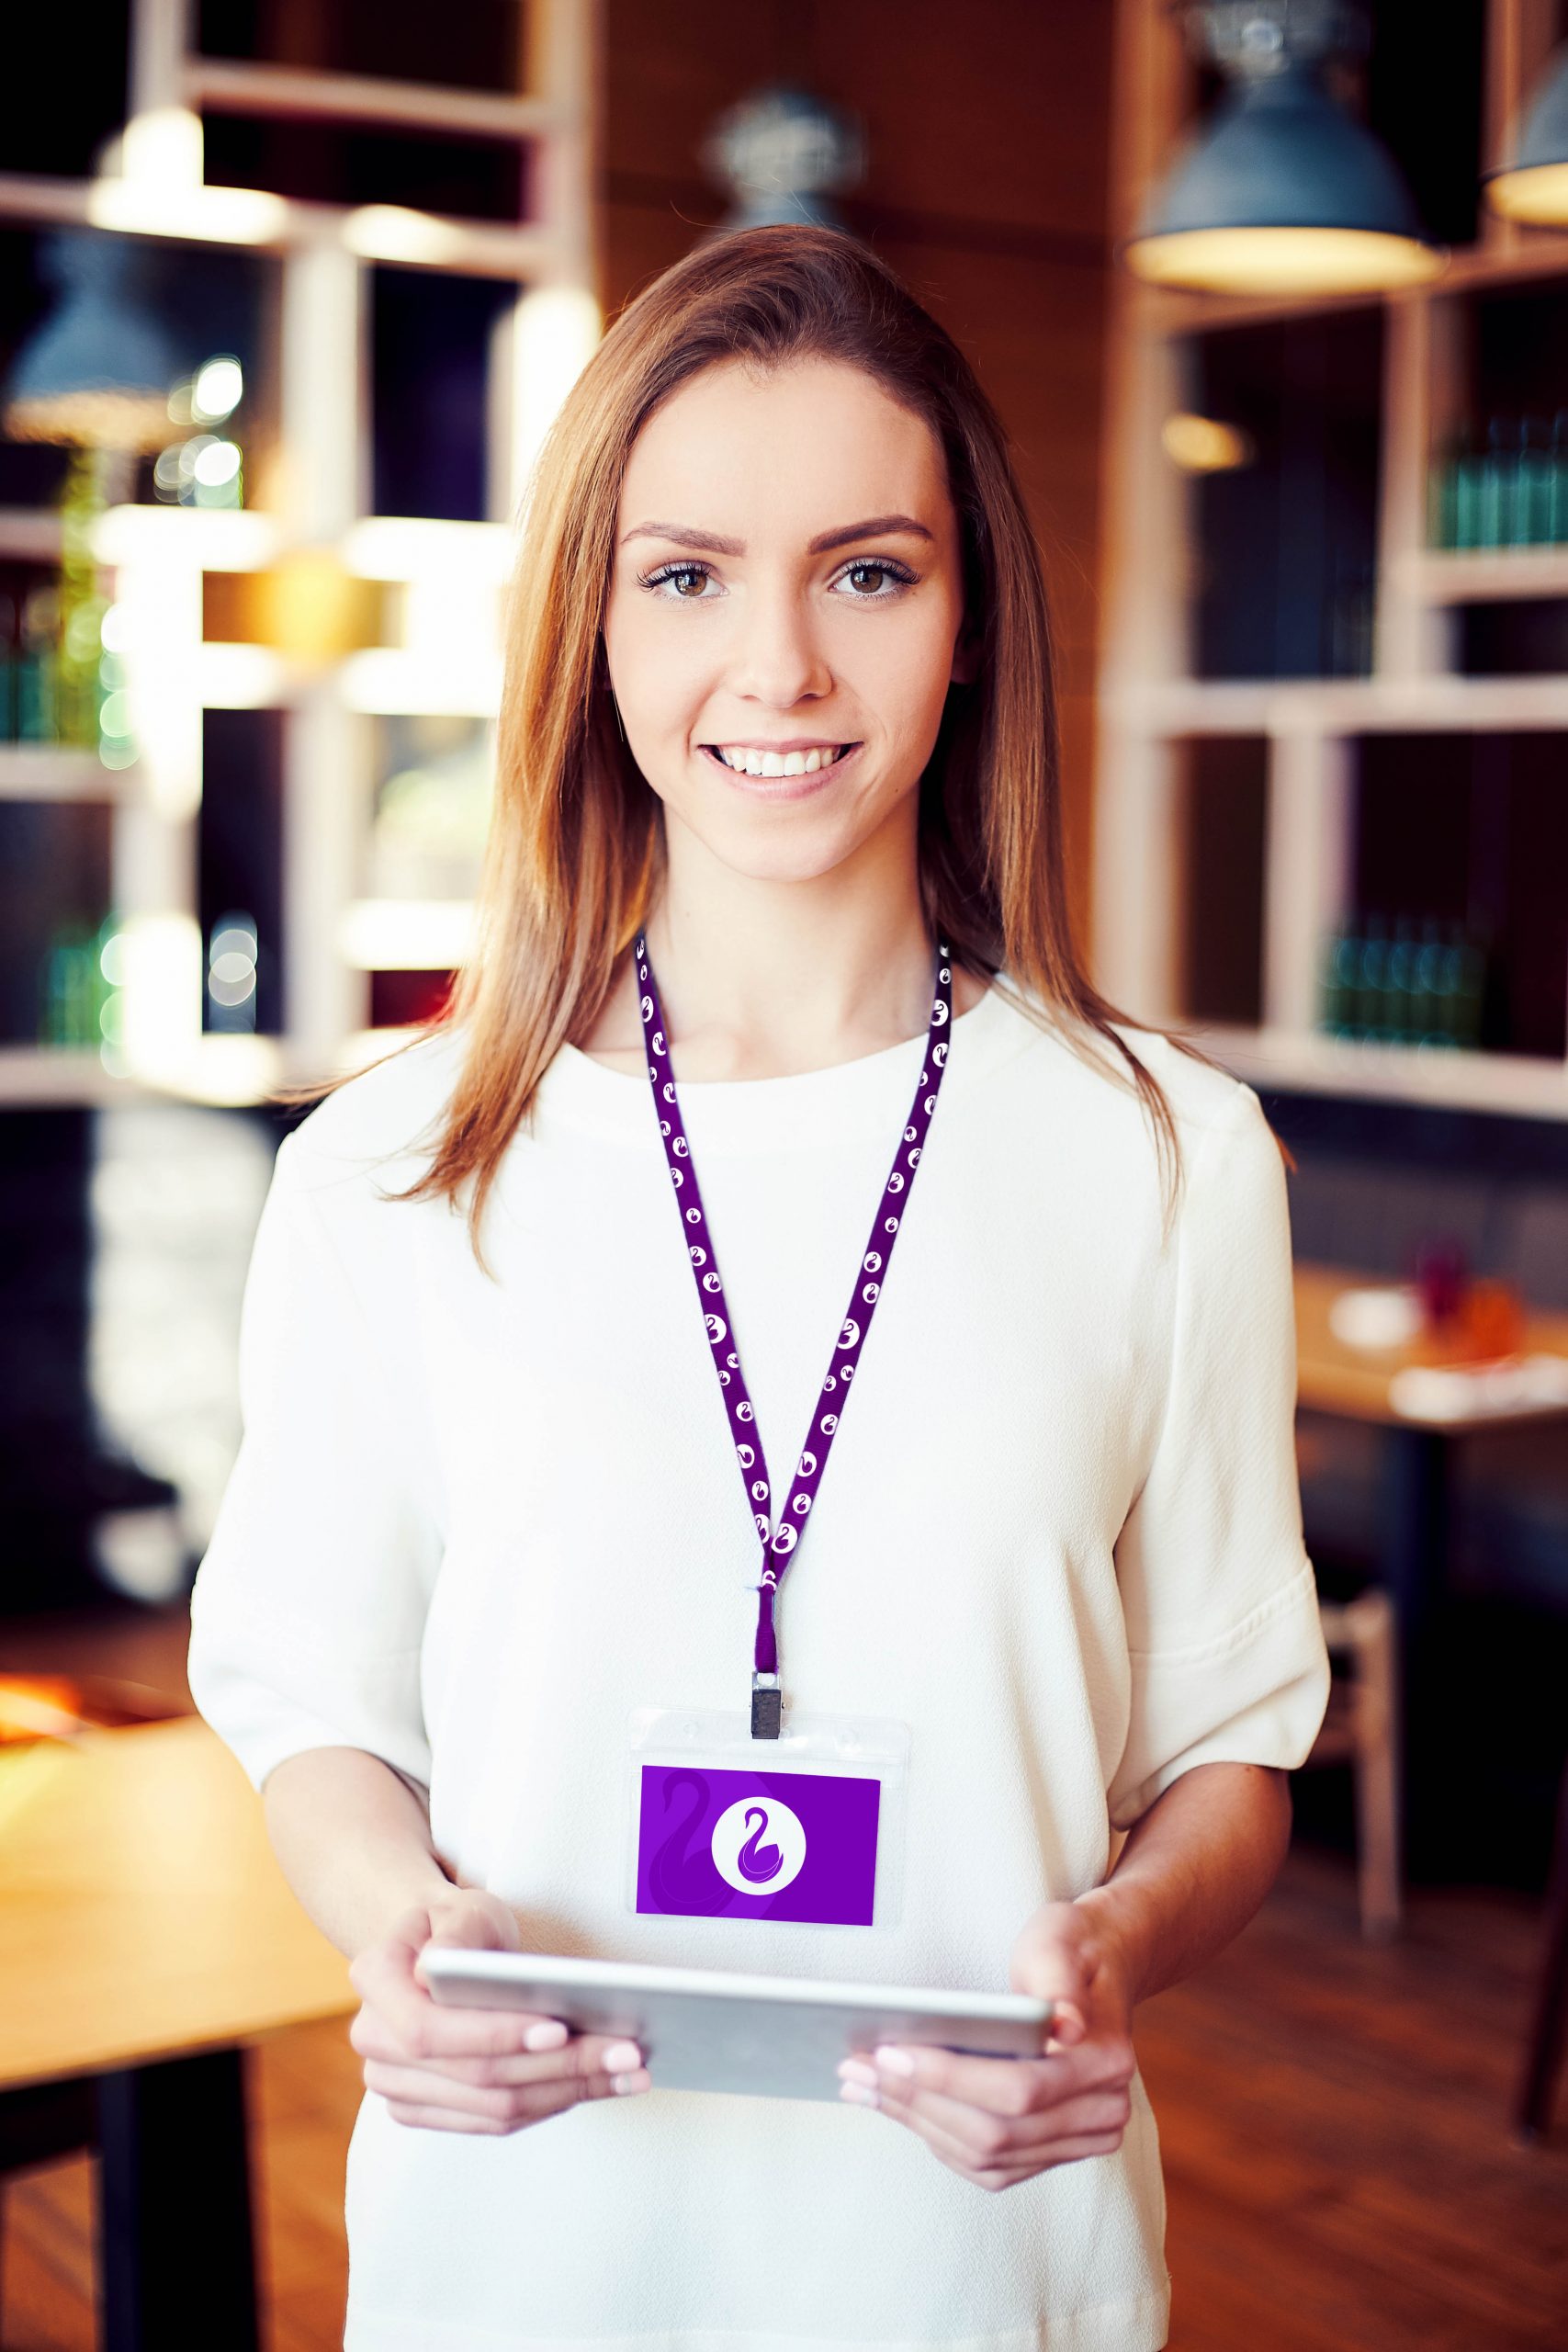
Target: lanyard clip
767	1705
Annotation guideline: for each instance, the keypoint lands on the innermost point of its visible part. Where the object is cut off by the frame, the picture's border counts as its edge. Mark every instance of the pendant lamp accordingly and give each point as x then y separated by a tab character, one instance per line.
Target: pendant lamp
1280	191
98	369
1534	184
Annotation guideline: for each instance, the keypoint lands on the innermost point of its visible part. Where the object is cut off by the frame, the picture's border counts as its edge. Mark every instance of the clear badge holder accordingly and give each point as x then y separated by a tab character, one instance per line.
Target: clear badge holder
807	1828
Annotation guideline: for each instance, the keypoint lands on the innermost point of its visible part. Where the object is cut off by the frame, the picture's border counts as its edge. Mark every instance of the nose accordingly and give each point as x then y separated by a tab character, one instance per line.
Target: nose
776	658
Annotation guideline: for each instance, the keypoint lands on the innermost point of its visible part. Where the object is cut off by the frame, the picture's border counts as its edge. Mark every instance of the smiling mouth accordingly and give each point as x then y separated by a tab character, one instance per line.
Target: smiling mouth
770	767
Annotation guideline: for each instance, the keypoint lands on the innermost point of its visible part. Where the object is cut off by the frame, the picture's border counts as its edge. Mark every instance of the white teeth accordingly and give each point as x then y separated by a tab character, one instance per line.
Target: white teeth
745	761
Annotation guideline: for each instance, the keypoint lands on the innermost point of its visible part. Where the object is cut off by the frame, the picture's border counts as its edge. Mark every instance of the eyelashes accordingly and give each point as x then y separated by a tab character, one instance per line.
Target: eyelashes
899	573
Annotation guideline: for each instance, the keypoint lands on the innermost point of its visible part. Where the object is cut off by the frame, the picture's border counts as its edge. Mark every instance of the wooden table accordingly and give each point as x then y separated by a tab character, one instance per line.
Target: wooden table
146	1935
1413	1541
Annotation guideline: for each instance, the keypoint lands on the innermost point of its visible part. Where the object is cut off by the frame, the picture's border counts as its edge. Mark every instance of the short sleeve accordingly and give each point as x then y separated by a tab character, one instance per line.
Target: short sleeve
1226	1649
307	1609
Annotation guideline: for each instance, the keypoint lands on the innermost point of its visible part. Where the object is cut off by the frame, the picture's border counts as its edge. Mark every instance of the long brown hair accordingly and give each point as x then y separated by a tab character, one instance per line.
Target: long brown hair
575	852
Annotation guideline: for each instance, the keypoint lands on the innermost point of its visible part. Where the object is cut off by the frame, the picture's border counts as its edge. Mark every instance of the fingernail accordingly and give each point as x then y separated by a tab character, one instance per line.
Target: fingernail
549	2036
898	2062
640	2081
856	2070
621	2057
858	2095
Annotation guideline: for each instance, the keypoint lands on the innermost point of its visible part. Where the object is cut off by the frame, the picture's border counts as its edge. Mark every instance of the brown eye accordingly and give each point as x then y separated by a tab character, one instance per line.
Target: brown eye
688	571
857	571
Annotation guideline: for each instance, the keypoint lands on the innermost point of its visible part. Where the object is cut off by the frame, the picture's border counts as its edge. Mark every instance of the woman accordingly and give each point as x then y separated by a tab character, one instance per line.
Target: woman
777	821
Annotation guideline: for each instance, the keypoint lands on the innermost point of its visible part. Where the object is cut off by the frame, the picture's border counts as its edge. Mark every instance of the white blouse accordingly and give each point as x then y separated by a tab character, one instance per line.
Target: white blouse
473	1524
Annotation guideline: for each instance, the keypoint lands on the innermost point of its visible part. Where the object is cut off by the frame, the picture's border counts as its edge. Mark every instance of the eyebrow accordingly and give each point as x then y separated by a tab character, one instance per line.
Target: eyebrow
686	535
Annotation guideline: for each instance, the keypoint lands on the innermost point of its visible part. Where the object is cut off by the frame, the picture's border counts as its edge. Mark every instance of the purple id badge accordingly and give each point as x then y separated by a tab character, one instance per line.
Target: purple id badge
807	1828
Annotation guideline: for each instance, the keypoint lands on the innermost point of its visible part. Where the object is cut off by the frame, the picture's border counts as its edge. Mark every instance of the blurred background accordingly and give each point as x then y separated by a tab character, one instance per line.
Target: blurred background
1272	297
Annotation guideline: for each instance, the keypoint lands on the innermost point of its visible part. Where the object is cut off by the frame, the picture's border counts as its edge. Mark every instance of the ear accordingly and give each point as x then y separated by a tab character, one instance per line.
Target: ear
966	660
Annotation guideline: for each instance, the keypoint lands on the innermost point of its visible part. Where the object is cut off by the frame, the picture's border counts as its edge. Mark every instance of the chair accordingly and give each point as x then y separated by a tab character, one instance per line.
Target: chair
1361	1728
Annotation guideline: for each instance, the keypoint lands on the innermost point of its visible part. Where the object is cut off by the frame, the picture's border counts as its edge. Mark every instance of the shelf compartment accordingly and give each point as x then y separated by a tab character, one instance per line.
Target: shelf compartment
55	870
1283	541
1221	784
1473	830
240	852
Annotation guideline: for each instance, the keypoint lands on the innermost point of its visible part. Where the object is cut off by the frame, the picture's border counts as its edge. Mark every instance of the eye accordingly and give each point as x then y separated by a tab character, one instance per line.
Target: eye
654	581
895	578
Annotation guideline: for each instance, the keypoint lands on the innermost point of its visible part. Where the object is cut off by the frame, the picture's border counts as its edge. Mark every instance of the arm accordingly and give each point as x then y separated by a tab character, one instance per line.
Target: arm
353	1840
1192	1872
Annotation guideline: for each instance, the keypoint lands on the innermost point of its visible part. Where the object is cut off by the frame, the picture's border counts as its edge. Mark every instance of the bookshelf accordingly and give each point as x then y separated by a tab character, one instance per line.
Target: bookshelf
280	654
1309	708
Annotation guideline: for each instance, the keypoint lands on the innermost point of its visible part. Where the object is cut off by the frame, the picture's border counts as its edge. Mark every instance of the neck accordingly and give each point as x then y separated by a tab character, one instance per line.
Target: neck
761	978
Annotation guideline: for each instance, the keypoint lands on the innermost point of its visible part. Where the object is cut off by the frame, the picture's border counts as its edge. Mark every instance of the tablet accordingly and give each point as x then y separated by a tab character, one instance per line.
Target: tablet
706	2029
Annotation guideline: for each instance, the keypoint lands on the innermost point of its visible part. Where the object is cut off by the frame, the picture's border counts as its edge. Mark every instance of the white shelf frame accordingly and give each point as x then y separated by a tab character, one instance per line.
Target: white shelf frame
151	183
1149	702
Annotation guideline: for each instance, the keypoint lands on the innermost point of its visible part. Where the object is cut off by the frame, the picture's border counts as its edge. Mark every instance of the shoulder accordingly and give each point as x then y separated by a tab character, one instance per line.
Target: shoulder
1201	1096
381	1124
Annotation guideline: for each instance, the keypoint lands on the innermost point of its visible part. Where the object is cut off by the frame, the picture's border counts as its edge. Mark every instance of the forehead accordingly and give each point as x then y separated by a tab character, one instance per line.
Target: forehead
795	450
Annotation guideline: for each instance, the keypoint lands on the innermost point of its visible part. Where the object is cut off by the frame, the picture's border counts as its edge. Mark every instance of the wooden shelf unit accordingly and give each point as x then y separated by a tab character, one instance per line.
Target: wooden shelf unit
1150	704
156	556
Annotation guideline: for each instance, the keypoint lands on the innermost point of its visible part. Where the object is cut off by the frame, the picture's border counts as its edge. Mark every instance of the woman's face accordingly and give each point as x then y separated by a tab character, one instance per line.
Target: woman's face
786	588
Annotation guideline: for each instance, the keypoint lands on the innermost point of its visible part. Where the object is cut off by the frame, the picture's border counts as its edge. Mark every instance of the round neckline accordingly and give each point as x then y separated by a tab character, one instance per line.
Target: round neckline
720	1112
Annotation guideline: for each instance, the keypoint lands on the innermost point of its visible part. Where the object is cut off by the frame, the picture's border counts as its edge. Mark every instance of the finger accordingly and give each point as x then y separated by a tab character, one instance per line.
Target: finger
995	2139
1002	2167
384	1978
583	2058
509	2106
1015	2087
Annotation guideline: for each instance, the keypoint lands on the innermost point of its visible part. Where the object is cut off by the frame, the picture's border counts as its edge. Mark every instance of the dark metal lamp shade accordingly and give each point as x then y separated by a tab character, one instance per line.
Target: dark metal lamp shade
1283	193
1534	185
98	369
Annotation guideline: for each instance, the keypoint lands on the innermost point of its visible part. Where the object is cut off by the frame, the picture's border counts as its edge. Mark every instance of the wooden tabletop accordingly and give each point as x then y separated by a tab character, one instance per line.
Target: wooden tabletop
1332	1377
142	1914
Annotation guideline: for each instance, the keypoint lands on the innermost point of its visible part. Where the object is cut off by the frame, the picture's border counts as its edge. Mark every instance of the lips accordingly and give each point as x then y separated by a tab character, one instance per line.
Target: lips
779	786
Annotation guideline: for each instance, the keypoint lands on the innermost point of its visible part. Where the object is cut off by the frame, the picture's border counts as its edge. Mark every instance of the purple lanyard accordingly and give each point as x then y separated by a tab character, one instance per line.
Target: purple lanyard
872	1273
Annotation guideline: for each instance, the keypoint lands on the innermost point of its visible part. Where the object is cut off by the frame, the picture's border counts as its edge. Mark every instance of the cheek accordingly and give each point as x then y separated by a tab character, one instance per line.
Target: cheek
656	671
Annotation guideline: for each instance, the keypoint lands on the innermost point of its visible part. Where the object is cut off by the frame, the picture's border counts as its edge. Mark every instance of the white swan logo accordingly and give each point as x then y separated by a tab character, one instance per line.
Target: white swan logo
681	1147
827	1424
869	1291
658	1041
850	1335
871	1261
807	1465
718	1328
939	1054
744	1413
710	1281
678	1178
940	1015
802	1503
758	1490
785	1539
747	1454
693	1215
895	1182
758	1846
908	1135
889	1225
910	1155
648	1008
669	1090
699	1256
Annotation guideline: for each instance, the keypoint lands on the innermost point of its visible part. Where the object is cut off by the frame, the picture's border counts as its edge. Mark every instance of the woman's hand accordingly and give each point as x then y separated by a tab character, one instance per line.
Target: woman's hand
999	2120
471	2070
